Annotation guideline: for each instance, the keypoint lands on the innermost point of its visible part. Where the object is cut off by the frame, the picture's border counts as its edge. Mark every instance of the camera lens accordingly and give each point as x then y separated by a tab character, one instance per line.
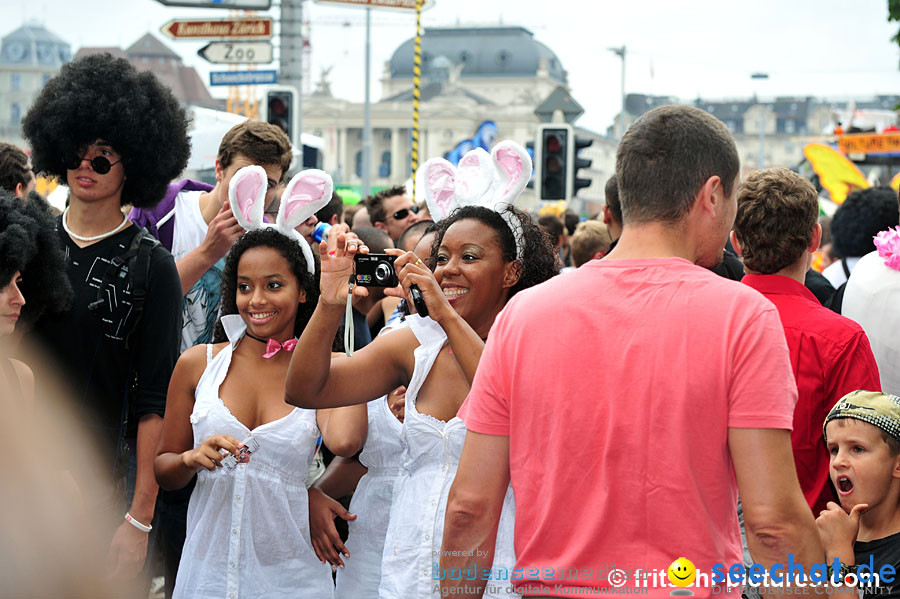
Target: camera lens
383	272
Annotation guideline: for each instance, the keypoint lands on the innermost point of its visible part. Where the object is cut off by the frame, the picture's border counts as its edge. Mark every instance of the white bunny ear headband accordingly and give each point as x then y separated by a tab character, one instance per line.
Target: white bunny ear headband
305	195
492	180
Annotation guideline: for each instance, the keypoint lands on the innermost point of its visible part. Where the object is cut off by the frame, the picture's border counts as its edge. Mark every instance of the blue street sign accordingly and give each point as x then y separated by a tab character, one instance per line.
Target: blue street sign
243	77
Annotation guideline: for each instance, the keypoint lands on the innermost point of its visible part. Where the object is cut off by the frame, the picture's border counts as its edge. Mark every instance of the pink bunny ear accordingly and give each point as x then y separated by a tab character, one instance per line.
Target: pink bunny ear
307	192
474	177
247	196
435	182
513	168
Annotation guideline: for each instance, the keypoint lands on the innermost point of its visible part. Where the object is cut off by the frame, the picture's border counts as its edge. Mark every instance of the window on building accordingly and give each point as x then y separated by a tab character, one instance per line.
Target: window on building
44	79
384	169
359	163
15	113
15	81
789	126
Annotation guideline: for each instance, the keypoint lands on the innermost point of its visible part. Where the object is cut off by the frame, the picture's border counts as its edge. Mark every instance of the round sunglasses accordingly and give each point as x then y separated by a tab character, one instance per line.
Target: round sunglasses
100	164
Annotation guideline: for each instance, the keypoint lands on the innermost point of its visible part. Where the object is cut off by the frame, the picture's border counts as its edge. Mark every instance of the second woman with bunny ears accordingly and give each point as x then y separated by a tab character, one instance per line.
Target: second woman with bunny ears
486	251
227	422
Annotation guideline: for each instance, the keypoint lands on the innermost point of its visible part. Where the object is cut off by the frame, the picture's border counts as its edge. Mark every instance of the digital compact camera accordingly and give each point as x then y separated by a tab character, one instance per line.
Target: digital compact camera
375	270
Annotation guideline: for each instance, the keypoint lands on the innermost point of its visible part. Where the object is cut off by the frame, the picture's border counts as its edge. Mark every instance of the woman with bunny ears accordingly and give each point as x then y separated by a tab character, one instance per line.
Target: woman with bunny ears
486	250
226	420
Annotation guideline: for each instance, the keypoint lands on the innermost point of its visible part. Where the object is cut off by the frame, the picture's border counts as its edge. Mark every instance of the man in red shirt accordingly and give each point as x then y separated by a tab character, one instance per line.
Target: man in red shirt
776	233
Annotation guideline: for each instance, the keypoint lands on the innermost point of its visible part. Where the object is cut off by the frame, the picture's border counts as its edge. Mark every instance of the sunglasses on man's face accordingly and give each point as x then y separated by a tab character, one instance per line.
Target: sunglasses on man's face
100	164
403	213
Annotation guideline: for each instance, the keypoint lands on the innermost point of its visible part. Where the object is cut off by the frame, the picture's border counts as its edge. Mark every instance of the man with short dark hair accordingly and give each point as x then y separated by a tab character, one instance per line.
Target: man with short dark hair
776	232
392	211
16	174
698	395
331	212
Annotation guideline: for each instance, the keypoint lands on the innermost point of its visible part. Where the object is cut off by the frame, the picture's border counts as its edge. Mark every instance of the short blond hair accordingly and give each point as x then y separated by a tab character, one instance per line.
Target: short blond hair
590	237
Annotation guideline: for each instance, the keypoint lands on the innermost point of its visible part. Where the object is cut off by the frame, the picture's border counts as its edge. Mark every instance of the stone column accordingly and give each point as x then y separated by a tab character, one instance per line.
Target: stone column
397	170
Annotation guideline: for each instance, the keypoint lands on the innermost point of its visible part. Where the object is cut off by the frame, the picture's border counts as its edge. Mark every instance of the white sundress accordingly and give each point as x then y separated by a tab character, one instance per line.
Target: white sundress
432	449
248	527
383	456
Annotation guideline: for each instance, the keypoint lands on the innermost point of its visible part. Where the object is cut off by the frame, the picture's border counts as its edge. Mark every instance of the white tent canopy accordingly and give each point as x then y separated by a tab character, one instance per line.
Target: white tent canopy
209	126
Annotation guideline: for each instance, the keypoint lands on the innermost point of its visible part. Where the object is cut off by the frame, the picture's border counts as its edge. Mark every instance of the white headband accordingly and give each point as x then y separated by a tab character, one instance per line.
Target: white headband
492	180
306	194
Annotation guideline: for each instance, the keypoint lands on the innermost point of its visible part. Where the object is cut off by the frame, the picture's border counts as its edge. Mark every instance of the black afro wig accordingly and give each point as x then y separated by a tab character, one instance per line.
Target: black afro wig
538	257
862	215
29	244
101	97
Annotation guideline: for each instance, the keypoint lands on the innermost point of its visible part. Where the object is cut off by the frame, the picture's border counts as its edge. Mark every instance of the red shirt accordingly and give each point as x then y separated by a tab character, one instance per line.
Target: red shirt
831	357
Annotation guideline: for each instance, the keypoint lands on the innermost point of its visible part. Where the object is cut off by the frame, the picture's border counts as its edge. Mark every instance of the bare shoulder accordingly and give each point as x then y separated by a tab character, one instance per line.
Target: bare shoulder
192	362
26	378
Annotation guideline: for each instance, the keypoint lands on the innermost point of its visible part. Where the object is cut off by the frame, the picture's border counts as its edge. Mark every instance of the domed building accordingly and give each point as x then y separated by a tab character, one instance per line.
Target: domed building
29	57
470	76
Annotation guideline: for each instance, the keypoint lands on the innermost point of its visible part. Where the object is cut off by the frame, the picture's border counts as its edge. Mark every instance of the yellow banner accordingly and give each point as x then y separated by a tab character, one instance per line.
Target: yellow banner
869	143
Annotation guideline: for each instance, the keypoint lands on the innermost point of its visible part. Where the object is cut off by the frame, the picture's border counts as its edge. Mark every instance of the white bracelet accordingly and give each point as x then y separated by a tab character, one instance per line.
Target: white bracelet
141	527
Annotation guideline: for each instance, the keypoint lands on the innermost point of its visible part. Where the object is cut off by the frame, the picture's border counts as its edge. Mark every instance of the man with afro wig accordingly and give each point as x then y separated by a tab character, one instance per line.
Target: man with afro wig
116	137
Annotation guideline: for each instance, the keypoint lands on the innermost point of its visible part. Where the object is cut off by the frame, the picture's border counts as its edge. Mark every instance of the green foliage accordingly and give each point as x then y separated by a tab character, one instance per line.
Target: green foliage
894	15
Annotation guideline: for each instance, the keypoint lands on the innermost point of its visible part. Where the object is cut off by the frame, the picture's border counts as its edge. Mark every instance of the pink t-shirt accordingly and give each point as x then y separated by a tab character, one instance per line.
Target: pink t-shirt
616	385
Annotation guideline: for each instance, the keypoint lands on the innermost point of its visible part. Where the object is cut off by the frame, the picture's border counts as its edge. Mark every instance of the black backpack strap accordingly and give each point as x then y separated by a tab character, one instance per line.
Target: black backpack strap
845	267
139	267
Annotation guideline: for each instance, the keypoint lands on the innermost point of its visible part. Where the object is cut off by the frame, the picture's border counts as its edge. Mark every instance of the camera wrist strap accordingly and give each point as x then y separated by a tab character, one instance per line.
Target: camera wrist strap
348	320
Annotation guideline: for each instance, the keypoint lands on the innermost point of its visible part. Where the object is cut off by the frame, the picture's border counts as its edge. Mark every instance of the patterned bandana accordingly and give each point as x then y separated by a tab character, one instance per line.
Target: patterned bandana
878	409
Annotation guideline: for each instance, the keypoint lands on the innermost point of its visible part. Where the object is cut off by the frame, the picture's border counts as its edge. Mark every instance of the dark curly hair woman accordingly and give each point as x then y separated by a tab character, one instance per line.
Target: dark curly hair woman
32	276
115	136
477	268
229	396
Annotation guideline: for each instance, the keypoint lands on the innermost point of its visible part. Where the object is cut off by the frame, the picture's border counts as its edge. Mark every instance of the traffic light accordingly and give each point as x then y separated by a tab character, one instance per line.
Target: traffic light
281	109
551	161
556	162
576	164
529	147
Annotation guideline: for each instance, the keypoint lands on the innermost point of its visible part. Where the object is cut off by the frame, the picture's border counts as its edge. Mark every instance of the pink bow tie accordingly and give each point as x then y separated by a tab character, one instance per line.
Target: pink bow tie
273	347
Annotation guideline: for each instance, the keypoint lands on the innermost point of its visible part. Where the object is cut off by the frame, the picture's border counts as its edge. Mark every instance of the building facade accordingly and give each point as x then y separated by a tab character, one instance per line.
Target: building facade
29	57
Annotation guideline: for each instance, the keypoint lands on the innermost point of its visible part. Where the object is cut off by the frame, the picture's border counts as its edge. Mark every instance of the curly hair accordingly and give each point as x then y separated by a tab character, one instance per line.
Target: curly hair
13	167
29	244
777	211
538	257
862	215
101	97
290	250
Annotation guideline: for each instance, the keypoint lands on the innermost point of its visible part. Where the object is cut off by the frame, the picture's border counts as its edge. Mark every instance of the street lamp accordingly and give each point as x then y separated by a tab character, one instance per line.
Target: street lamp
762	123
620	52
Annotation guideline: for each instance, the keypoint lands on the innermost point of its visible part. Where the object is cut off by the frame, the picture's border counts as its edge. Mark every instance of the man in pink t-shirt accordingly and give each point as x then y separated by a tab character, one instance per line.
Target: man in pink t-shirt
629	401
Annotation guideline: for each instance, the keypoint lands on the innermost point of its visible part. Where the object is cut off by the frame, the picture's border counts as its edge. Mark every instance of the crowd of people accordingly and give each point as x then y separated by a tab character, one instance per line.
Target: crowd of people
528	399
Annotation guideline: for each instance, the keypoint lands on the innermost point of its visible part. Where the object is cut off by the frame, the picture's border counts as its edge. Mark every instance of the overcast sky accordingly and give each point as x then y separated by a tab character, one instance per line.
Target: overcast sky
706	48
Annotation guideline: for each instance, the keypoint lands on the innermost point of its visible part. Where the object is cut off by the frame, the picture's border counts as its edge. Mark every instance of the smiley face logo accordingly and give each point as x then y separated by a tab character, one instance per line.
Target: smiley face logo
682	572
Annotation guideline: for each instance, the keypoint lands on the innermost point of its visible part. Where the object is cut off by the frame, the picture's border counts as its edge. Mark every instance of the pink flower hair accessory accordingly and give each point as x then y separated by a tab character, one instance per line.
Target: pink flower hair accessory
888	245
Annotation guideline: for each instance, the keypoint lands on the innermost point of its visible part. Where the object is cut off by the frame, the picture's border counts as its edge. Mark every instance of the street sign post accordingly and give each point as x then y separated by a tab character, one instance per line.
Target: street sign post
243	77
237	52
404	4
258	28
241	4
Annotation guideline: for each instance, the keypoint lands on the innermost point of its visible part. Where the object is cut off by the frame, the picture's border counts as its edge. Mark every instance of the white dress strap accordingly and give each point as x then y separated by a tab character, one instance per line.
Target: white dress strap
208	353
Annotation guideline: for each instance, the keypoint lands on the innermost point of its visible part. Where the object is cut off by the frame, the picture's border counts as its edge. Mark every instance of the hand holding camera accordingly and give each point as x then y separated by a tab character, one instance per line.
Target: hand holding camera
419	287
337	257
